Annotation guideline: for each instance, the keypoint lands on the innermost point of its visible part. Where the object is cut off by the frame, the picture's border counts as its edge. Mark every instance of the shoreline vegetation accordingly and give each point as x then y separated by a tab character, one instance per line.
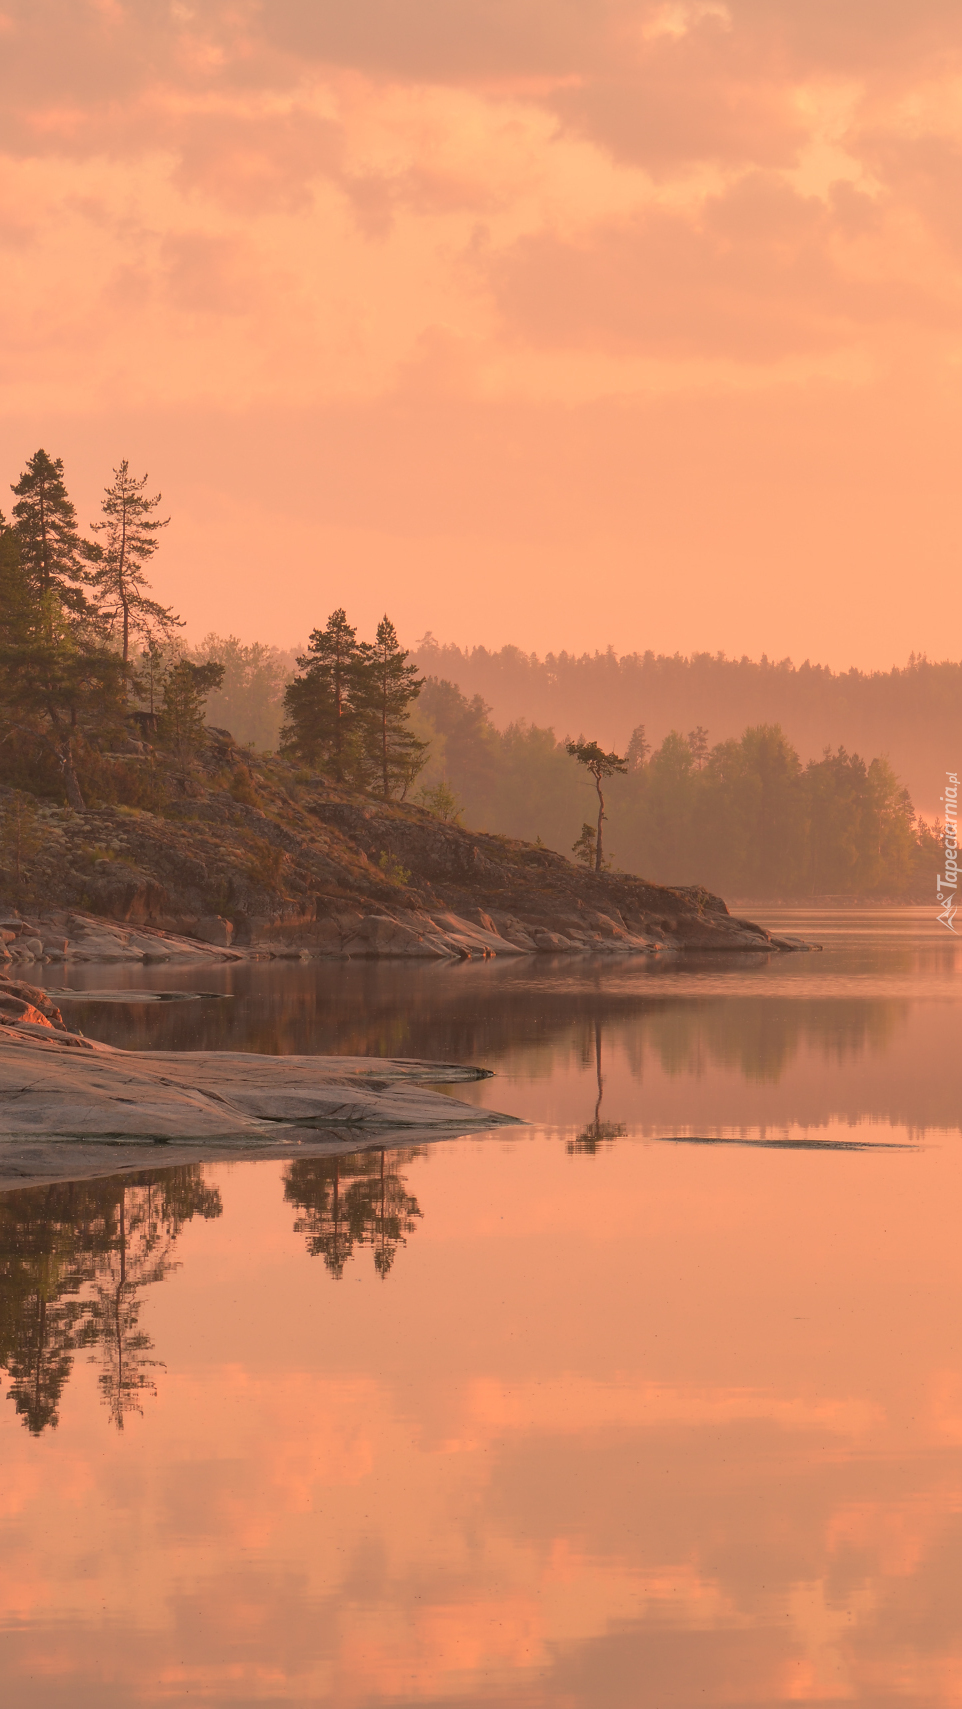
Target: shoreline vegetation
392	820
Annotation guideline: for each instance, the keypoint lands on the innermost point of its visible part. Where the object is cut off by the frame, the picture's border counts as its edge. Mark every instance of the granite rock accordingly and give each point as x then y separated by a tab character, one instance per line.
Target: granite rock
57	1085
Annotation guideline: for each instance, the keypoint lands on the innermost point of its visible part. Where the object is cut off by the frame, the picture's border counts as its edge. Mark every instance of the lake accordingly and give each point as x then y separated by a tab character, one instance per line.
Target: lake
655	1400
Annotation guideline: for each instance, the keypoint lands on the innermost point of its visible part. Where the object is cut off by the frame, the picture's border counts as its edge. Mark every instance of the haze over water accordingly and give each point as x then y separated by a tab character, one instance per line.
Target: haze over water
574	1414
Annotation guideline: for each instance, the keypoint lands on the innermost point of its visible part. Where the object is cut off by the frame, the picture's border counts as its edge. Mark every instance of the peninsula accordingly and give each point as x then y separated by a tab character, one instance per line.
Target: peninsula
254	856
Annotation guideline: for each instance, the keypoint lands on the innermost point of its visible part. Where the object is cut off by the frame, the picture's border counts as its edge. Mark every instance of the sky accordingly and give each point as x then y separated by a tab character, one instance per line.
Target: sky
563	323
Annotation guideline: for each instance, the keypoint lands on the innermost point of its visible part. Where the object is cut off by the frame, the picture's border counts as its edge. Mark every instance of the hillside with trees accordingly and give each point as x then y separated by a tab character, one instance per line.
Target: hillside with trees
103	705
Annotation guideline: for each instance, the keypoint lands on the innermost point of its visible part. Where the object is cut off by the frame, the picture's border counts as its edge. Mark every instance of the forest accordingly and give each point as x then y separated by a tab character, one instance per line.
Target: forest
95	673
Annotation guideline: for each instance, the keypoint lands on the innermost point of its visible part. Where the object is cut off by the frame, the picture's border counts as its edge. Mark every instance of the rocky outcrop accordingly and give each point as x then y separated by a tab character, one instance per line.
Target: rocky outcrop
272	861
60	934
58	1085
21	1004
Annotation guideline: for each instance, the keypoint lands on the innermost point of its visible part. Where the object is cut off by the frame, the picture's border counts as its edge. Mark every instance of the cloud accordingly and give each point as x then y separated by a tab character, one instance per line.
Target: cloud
756	274
255	162
488	242
441	40
208	275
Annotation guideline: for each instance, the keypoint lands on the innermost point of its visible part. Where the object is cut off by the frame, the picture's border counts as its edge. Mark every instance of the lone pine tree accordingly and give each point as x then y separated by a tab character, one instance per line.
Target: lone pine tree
601	766
318	703
383	688
129	532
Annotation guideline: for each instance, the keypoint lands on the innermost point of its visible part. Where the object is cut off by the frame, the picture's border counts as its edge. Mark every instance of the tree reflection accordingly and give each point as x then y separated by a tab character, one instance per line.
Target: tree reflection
74	1259
596	1133
356	1200
761	1039
486	1013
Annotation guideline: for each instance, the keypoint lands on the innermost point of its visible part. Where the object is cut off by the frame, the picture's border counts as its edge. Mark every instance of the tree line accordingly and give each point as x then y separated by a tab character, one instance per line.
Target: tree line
894	712
743	816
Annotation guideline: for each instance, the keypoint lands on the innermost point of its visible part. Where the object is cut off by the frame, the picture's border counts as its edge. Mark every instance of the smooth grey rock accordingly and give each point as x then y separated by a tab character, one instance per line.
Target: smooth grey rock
60	1086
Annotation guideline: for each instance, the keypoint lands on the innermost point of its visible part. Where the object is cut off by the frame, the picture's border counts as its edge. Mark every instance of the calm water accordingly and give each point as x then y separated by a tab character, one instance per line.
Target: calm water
584	1413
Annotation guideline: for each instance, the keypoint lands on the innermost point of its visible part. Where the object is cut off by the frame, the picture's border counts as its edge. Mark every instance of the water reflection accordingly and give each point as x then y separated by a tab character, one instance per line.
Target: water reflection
662	1426
500	1019
75	1258
488	1015
633	1423
596	1132
353	1202
761	1039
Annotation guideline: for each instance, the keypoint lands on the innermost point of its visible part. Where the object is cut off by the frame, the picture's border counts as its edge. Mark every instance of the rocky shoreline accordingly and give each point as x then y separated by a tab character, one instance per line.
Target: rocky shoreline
61	936
259	859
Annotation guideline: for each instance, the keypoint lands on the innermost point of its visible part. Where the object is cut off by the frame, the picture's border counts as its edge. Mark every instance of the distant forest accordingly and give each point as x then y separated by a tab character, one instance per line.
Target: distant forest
744	817
908	713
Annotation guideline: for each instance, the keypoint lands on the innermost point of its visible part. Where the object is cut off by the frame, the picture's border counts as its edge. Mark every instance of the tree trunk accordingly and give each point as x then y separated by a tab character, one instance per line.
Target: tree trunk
601	815
71	785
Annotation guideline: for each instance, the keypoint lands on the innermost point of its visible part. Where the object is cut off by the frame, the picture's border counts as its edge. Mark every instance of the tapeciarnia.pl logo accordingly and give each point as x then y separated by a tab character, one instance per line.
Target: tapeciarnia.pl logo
947	883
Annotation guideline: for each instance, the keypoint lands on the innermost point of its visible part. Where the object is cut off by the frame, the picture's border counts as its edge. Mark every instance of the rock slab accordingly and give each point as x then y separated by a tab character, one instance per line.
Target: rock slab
58	1085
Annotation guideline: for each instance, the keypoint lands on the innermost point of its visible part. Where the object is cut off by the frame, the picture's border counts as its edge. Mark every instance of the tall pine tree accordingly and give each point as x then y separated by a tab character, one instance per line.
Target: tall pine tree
52	554
20	607
384	686
129	540
58	682
318	703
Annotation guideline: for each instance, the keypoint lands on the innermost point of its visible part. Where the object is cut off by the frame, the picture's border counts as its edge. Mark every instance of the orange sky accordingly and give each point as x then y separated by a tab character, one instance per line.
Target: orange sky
560	322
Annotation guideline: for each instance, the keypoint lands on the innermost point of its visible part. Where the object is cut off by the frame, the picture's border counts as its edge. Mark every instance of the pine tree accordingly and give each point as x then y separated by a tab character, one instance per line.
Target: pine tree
58	694
698	743
20	607
186	687
51	551
318	704
584	848
129	542
639	748
58	682
601	766
383	688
